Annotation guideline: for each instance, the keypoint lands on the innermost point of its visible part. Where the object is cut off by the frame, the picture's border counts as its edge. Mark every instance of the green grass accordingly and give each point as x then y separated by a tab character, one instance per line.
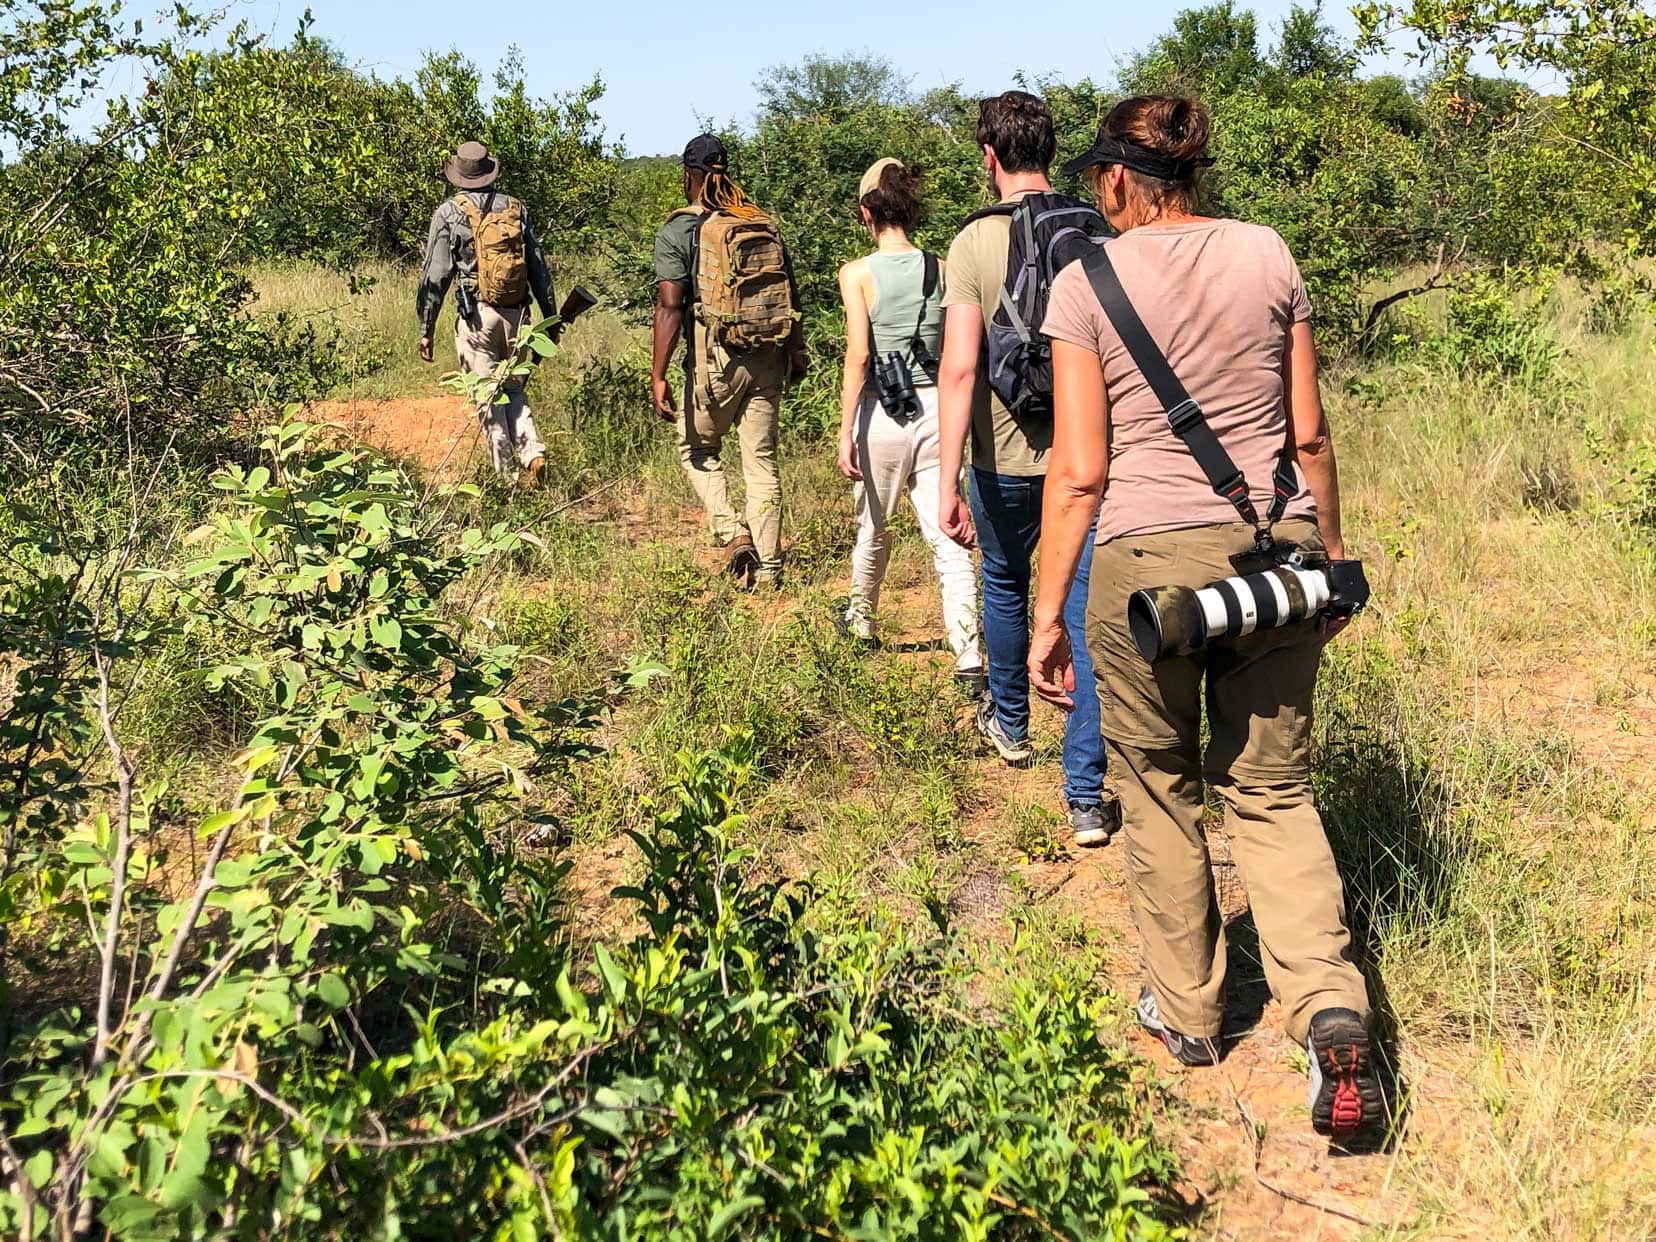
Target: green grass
1500	868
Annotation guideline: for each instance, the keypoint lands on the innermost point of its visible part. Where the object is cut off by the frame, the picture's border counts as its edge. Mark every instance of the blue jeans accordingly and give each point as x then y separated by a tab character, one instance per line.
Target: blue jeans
1007	512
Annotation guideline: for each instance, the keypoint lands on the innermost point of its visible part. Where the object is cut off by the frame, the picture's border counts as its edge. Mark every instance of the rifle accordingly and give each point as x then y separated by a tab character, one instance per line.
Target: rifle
578	303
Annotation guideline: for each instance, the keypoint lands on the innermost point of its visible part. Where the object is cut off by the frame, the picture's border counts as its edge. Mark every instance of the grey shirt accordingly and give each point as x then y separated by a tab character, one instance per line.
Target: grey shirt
450	254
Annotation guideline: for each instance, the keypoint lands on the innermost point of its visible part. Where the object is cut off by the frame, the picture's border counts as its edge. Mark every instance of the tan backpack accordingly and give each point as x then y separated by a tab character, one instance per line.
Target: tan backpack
744	298
502	251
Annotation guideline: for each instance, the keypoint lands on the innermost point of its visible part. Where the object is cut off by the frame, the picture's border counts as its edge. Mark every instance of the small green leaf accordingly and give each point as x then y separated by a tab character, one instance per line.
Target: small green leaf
730	1213
331	988
387	631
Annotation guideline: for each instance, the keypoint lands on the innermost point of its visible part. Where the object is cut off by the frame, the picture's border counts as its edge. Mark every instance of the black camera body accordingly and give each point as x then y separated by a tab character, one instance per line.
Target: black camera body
1276	584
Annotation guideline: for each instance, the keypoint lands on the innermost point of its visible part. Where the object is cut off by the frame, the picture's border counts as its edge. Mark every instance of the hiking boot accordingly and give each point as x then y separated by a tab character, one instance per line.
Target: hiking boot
1094	823
535	472
742	560
1185	1049
1014	750
1346	1100
975	681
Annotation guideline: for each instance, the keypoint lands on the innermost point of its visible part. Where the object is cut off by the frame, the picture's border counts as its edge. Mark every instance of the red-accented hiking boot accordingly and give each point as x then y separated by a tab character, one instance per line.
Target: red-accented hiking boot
1346	1099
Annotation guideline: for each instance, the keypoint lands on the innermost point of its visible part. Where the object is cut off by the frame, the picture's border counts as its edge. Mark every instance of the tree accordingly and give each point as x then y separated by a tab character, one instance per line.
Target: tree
822	124
1307	46
1602	50
833	86
1211	52
1388	99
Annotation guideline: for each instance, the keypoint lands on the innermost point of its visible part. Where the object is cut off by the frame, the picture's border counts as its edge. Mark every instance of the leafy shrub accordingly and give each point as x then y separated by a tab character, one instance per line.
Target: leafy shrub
611	427
365	1013
1638	490
1492	329
358	836
1496	332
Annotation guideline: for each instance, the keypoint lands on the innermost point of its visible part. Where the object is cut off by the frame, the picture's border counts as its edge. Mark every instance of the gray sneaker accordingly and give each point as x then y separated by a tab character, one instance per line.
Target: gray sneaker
1186	1049
1012	749
1094	823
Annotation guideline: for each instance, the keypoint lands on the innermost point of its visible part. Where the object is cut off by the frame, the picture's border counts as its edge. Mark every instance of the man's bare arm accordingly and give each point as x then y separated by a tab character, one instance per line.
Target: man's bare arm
956	380
669	323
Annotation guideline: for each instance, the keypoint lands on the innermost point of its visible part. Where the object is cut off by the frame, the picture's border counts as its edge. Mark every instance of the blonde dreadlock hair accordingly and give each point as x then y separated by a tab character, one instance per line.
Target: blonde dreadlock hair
720	193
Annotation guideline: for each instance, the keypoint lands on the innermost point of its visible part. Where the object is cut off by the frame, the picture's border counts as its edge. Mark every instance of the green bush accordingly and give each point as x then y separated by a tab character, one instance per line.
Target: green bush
611	427
365	1012
1497	330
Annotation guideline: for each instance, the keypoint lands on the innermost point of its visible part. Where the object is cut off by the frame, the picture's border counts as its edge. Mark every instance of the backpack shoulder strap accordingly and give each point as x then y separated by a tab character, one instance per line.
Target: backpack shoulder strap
928	286
692	293
994	209
933	276
1183	414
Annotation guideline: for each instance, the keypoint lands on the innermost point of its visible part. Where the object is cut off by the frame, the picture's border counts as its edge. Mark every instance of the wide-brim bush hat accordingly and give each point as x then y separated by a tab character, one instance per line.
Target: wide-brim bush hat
471	167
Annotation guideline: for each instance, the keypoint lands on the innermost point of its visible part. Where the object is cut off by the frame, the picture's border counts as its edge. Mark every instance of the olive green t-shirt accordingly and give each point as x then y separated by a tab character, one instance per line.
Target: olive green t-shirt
673	244
1002	443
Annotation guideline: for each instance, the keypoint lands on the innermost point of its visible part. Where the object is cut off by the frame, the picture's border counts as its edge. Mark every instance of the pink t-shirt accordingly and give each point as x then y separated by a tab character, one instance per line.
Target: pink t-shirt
1219	297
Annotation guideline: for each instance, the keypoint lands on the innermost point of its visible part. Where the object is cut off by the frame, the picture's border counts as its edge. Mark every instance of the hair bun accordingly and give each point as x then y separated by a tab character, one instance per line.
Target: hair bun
1177	126
902	179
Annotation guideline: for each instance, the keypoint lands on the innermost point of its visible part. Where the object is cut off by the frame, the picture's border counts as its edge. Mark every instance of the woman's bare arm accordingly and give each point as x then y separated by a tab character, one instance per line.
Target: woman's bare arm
1313	446
857	346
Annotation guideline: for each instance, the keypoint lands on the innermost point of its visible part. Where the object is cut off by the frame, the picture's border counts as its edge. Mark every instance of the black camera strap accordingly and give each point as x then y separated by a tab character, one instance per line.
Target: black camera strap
1183	414
928	286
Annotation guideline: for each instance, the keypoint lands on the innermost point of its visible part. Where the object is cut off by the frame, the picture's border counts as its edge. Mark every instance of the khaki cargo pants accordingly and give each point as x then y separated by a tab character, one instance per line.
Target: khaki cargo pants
508	424
1258	693
740	392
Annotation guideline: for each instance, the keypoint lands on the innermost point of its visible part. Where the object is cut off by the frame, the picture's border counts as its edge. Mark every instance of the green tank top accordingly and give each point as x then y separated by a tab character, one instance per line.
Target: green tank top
899	283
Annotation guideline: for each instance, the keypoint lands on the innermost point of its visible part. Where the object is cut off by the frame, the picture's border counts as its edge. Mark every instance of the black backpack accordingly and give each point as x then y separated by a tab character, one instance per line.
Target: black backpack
1049	232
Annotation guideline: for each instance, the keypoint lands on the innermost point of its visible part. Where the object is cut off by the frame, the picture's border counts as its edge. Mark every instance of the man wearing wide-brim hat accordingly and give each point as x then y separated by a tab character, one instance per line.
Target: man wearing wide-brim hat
491	296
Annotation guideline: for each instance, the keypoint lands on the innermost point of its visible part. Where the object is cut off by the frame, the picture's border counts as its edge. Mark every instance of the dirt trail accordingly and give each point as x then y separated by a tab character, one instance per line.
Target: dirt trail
1286	1184
438	434
1249	1155
1609	722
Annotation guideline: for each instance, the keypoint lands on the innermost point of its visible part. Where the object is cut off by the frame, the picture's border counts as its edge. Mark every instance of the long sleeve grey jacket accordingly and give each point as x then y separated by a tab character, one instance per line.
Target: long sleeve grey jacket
450	255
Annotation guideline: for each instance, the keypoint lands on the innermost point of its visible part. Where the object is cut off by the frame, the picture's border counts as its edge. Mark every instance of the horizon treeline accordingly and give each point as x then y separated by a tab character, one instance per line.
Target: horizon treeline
239	150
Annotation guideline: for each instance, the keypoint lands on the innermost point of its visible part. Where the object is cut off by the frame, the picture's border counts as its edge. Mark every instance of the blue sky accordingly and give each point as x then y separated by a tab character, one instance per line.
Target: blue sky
663	68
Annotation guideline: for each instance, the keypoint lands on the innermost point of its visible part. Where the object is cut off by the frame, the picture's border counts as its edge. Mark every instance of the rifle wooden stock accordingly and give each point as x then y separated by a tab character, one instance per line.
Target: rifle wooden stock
578	303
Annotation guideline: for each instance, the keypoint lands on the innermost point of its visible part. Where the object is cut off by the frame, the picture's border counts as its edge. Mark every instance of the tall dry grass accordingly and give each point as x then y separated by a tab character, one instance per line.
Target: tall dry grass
1479	745
1503	696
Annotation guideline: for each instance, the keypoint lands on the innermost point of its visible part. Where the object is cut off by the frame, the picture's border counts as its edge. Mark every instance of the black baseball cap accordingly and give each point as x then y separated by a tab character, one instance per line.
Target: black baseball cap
706	153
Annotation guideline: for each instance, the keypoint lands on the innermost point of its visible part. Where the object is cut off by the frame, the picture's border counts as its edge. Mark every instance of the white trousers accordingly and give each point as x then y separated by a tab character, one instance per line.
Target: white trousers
508	424
896	458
